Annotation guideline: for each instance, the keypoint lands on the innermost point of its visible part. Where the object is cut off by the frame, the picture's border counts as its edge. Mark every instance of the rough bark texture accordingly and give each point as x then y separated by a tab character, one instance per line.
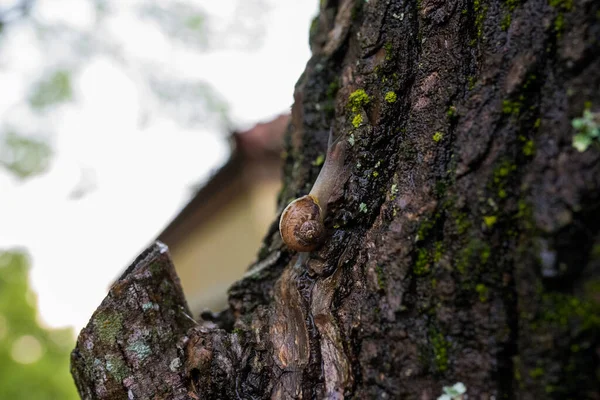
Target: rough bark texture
464	233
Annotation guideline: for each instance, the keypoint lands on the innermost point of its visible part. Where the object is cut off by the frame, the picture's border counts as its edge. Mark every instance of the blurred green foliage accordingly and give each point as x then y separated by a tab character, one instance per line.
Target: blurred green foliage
34	361
23	156
55	89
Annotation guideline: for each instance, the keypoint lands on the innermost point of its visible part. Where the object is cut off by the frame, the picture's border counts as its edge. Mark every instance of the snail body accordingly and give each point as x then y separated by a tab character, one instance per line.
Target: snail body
302	222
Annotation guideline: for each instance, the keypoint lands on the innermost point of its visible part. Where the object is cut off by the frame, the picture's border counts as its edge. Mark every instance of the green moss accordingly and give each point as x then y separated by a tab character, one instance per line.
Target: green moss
566	5
461	220
440	350
505	24
388	50
502	172
559	309
529	148
524	215
332	89
438	136
482	291
512	4
475	252
490	220
422	263
485	253
472	82
537	123
439	251
391	97
319	160
375	174
480	12
559	24
357	120
237	331
511	107
536	373
357	100
426	226
451	113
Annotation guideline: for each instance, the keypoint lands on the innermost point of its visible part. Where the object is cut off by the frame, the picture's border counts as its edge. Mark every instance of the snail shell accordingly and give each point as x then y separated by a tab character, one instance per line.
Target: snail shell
301	224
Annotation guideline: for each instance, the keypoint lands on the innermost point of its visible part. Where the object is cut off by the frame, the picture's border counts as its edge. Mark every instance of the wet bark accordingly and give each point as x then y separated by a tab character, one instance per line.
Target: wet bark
463	236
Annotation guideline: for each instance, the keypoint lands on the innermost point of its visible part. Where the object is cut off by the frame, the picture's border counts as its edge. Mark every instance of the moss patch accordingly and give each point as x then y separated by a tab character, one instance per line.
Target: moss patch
358	99
440	350
391	97
357	120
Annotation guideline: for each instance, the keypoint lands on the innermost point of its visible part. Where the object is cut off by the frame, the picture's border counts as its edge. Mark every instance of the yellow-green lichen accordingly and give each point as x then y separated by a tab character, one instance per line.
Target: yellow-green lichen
116	367
108	325
529	148
461	220
490	220
440	350
437	136
394	191
536	372
512	107
357	120
480	12
451	113
482	291
358	99
388	51
422	263
391	97
471	82
319	160
559	22
475	253
439	251
505	24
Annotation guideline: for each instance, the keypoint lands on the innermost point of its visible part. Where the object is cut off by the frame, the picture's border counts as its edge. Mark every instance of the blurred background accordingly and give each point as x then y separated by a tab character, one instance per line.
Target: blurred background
123	121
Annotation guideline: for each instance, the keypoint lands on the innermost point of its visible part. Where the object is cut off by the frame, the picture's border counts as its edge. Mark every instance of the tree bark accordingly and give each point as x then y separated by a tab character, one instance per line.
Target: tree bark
463	236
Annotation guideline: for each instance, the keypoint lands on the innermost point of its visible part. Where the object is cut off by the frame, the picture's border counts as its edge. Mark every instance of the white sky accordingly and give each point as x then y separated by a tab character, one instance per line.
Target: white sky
140	174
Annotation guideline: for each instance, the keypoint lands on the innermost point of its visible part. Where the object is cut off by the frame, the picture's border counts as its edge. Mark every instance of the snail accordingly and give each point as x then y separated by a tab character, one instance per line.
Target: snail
302	222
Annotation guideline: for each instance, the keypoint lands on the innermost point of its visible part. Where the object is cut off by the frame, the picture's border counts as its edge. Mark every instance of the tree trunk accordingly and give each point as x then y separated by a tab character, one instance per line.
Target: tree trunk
463	236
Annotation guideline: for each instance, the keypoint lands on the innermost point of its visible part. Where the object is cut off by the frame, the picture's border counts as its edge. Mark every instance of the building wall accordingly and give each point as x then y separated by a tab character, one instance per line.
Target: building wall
217	251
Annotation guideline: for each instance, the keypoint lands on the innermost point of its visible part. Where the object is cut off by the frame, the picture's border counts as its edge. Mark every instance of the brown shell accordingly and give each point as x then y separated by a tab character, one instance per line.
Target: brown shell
301	224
